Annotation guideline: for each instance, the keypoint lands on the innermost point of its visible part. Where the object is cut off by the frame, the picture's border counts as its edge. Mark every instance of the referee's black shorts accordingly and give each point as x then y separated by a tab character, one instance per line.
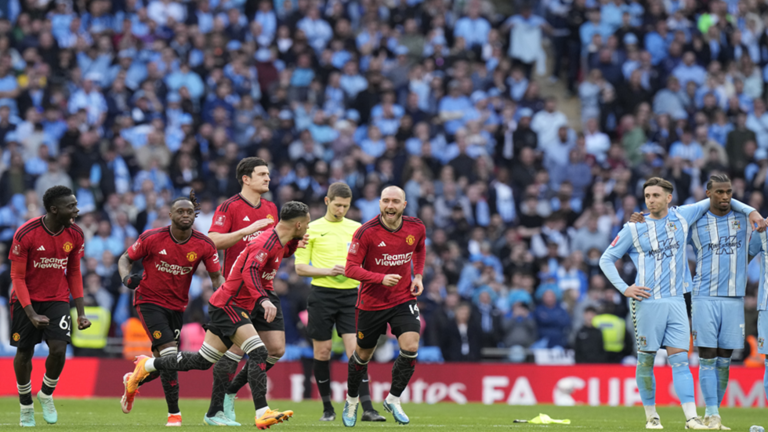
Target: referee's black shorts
329	306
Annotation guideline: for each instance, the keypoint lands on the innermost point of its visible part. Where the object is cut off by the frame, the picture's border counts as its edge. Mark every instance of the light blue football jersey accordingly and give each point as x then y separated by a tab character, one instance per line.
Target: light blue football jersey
720	244
657	248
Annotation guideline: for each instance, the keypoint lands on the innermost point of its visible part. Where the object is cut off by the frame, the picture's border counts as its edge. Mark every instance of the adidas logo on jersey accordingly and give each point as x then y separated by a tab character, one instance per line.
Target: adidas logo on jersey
277	259
382	244
246	219
41	248
163	252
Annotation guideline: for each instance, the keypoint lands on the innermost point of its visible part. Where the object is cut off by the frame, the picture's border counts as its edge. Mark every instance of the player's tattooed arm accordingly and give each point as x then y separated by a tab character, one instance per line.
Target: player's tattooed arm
124	265
217	279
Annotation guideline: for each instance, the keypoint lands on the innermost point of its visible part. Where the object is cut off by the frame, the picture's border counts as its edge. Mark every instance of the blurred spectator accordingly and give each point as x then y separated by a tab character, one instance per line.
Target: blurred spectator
552	320
519	327
462	336
588	344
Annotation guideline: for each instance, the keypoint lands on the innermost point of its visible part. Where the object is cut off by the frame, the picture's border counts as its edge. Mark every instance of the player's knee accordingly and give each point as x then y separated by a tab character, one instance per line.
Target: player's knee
58	350
24	355
724	353
707	353
411	346
277	352
322	353
364	354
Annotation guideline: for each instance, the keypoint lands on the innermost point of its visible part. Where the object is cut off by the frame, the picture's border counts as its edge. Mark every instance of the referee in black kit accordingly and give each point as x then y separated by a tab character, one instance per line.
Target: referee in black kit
333	297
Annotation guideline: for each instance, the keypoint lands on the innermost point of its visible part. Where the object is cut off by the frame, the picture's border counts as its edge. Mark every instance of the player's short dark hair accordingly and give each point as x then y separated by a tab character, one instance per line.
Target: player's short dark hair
293	210
660	182
246	166
191	198
54	194
339	190
717	178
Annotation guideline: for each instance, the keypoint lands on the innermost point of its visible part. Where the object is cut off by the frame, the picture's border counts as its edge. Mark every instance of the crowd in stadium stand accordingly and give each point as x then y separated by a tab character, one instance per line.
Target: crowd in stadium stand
134	102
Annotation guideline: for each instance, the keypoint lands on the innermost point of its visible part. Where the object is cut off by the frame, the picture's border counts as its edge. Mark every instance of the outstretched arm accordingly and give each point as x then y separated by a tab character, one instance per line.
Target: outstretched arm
757	221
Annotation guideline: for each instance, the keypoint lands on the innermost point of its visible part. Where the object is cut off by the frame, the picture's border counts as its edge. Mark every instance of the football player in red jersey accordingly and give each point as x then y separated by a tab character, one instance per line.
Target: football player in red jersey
229	312
45	270
380	258
236	222
170	256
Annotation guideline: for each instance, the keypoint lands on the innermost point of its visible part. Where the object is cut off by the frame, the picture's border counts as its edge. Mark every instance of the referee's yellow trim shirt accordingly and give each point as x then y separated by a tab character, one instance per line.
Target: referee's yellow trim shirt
328	245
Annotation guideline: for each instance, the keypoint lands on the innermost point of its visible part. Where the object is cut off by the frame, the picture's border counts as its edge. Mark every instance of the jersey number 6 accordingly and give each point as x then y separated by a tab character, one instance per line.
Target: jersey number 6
65	324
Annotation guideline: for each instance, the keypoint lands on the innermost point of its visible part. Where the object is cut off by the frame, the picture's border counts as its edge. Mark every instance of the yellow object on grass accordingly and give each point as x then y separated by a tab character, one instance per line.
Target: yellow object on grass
545	419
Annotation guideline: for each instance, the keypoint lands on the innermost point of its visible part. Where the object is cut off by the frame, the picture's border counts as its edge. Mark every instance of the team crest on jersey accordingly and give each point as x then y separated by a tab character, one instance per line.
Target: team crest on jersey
270	217
17	336
353	249
157	334
16	249
671	226
642	341
736	225
615	241
191	256
245	315
359	335
760	341
261	256
68	247
695	334
410	240
220	219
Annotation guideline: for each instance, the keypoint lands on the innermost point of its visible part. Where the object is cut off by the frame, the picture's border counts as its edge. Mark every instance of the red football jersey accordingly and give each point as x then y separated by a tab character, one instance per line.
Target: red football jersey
254	270
235	214
376	252
47	256
169	266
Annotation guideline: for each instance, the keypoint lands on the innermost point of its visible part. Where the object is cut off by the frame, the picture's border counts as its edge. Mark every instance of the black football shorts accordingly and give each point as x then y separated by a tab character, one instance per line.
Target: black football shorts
24	335
402	318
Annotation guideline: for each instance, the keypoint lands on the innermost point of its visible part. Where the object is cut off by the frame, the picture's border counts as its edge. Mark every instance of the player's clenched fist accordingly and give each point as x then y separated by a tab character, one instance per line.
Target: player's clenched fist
83	322
637	292
132	281
391	280
270	311
417	287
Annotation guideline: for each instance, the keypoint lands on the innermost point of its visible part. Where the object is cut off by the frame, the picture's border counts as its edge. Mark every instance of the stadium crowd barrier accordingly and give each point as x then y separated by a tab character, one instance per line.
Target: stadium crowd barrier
521	384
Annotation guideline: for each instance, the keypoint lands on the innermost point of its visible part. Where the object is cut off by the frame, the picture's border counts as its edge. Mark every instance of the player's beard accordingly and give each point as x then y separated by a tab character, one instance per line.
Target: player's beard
393	218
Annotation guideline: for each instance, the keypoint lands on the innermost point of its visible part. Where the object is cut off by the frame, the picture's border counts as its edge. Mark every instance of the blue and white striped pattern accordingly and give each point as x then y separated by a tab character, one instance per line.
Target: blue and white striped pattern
658	251
721	254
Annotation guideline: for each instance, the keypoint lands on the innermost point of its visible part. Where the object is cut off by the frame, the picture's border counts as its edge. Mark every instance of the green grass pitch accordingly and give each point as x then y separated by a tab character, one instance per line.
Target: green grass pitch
150	414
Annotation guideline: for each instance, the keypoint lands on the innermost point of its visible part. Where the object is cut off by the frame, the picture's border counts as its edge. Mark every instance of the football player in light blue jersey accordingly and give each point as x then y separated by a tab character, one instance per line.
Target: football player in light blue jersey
657	249
719	239
759	243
